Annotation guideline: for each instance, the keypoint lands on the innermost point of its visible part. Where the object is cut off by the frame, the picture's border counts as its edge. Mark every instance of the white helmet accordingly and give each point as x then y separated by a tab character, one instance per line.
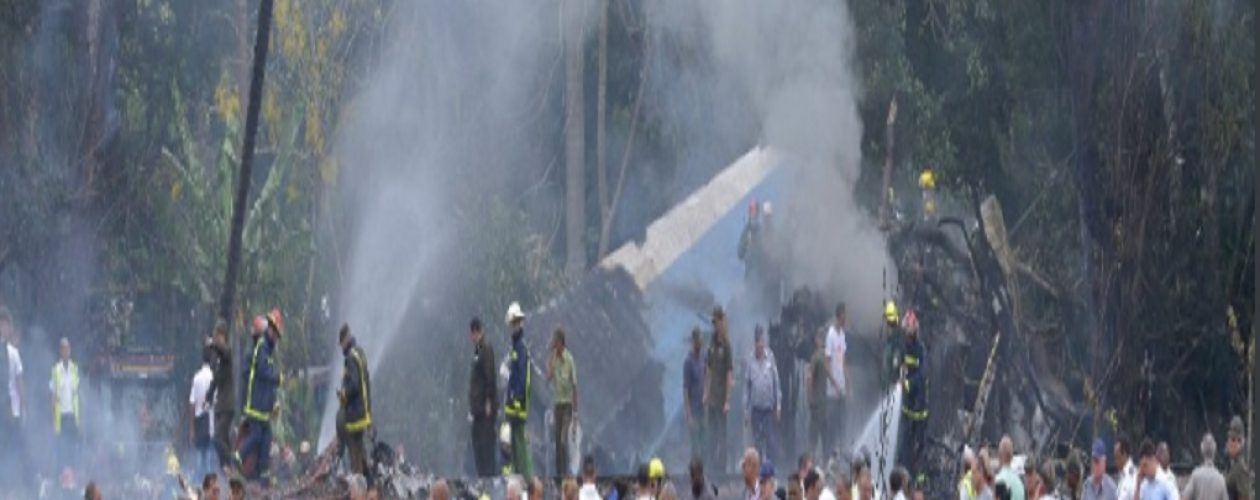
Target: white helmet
514	312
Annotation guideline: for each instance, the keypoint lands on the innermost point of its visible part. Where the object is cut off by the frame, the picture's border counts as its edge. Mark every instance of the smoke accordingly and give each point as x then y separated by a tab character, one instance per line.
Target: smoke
786	70
457	114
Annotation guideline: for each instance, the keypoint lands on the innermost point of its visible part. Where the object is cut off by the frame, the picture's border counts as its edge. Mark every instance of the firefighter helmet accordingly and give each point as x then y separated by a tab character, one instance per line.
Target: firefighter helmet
890	312
927	179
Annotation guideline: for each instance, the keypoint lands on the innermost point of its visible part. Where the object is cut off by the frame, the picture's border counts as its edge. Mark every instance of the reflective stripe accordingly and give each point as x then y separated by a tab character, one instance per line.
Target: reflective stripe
911	361
74	382
520	409
914	415
250	411
366	421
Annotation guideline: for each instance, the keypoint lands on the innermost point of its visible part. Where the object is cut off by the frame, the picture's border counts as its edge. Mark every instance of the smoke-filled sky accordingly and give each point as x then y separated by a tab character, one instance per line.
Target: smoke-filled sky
461	106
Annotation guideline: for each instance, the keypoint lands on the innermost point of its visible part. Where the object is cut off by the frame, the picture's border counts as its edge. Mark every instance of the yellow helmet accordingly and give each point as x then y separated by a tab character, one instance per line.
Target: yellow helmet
890	312
927	179
656	469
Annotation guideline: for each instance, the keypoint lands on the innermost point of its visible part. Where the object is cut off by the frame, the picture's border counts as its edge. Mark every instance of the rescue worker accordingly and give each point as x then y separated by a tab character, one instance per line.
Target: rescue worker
63	386
748	239
261	384
518	392
693	392
914	411
719	378
927	184
482	400
1239	480
356	400
893	344
563	377
221	392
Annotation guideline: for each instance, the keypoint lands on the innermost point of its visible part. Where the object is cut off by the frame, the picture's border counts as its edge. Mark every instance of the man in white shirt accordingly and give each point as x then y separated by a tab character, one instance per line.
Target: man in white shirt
588	491
64	389
837	384
16	471
1126	478
202	419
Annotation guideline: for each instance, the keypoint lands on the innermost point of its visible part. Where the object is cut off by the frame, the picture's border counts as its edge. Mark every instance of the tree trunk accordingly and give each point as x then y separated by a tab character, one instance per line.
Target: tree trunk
575	144
601	143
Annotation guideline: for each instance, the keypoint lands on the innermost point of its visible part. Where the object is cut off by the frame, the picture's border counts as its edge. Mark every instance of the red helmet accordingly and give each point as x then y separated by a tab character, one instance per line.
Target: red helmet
276	320
752	208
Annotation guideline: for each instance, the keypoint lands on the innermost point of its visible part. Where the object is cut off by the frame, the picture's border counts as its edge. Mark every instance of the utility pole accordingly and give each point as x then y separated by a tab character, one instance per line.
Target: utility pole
247	158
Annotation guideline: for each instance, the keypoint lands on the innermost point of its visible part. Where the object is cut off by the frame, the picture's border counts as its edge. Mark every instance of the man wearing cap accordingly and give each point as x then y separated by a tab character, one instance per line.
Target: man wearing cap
482	400
518	391
261	384
563	377
762	398
1239	479
1099	486
693	392
766	487
1206	482
718	381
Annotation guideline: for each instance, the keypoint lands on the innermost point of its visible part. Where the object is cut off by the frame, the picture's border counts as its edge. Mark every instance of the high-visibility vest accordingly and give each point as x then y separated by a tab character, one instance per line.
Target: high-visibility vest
74	391
250	411
365	422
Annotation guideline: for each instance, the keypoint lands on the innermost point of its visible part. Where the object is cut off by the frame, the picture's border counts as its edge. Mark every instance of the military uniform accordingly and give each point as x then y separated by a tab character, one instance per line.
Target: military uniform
1239	480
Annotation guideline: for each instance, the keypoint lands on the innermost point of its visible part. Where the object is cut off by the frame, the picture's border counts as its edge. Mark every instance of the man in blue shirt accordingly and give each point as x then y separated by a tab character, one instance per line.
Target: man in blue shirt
1099	486
1149	487
693	392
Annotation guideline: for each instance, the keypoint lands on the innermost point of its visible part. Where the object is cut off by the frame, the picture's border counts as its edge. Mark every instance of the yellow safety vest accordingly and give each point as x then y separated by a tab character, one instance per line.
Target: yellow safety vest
74	391
250	411
366	421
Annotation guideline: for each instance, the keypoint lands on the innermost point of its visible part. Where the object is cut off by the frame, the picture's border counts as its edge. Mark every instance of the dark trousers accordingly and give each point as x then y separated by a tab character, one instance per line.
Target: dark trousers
715	430
911	444
563	416
223	436
358	453
68	444
818	432
521	463
695	431
257	445
483	444
833	439
765	435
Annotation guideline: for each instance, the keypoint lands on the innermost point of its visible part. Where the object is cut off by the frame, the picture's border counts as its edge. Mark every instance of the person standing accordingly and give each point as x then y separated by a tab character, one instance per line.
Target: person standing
1149	487
818	382
200	418
693	392
762	398
1006	475
518	392
563	377
13	463
719	378
261	385
482	400
356	399
1127	473
63	386
221	392
914	409
1099	486
837	347
1206	482
1239	480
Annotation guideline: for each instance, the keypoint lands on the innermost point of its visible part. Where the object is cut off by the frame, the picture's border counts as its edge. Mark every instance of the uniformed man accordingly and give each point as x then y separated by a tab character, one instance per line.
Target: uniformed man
222	393
914	411
719	378
262	382
356	399
518	392
482	400
1239	479
64	387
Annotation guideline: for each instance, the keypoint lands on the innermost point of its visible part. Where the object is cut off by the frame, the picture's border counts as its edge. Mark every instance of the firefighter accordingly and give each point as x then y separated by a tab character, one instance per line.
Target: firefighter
261	385
914	411
518	392
356	399
927	184
893	344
